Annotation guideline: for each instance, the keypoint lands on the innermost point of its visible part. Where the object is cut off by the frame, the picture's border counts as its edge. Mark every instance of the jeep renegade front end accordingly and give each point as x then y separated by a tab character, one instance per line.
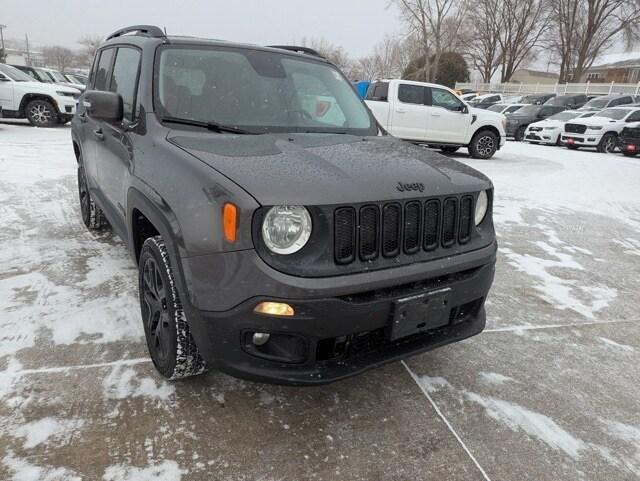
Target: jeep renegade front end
280	234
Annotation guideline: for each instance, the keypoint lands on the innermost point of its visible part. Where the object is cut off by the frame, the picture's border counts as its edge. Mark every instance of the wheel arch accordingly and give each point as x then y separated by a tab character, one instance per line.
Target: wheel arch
488	127
30	97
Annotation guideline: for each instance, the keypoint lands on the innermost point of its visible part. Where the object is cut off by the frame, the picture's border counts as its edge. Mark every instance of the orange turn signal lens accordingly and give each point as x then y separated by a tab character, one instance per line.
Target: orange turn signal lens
274	309
230	221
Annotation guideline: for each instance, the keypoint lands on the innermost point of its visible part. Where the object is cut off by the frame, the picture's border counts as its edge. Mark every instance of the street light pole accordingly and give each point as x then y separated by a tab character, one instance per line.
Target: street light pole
2	27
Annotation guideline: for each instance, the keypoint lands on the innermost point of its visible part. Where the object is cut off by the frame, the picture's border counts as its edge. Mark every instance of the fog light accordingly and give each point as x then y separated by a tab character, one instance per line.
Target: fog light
274	309
260	338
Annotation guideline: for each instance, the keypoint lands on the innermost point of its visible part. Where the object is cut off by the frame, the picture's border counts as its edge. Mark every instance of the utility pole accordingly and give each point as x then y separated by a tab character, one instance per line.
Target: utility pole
2	54
26	44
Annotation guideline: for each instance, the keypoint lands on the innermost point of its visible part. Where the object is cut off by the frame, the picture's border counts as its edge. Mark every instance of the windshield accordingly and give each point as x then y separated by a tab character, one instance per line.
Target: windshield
598	103
15	74
57	76
563	116
497	107
615	114
529	110
42	75
257	91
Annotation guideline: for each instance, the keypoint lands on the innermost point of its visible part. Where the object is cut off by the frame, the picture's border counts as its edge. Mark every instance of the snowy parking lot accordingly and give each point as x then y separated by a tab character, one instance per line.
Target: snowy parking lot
548	392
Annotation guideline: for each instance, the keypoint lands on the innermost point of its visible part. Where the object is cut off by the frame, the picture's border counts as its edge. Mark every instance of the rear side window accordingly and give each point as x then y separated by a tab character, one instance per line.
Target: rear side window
124	79
102	69
411	94
378	91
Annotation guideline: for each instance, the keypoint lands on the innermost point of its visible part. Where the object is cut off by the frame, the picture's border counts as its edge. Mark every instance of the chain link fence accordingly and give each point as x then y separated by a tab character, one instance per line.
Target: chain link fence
560	89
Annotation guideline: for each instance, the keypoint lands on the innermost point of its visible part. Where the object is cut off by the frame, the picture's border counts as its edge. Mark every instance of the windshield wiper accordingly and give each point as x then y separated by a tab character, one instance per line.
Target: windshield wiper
213	126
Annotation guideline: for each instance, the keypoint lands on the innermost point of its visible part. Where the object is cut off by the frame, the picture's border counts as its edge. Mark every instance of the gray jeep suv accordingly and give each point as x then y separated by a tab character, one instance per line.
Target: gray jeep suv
280	234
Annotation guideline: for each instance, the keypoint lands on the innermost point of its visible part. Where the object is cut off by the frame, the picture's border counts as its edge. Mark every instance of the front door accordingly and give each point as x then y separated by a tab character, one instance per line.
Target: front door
410	115
6	93
449	117
115	149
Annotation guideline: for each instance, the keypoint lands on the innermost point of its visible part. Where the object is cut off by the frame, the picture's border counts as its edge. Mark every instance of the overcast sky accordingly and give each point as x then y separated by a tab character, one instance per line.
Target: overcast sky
355	24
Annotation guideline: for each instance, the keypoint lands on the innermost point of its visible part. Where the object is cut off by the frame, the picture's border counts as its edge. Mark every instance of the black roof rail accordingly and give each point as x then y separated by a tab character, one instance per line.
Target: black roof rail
146	30
298	49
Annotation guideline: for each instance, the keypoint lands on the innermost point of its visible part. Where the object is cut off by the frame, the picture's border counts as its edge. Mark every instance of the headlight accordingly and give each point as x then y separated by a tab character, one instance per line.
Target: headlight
286	228
594	127
550	128
482	204
64	94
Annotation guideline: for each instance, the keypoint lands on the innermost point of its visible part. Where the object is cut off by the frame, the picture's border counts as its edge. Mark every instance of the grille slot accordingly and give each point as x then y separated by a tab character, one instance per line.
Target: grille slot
575	128
466	214
431	224
412	215
449	215
391	218
345	235
369	232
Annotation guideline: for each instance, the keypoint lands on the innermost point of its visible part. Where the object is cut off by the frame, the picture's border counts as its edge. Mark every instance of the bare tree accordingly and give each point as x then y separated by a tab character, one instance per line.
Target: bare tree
334	53
482	46
59	57
523	26
90	44
584	29
436	24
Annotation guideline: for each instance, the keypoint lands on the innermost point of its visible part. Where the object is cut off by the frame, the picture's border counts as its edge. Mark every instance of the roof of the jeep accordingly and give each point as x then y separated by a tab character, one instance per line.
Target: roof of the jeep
144	39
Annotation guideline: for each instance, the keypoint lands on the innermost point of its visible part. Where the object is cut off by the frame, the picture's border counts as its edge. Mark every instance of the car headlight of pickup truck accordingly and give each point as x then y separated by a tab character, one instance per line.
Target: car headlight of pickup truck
482	204
550	128
64	94
594	127
286	228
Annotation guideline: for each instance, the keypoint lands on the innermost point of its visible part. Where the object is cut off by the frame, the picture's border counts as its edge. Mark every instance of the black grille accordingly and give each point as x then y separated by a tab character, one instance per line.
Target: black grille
431	224
466	212
449	217
575	128
345	235
412	214
630	133
391	229
369	232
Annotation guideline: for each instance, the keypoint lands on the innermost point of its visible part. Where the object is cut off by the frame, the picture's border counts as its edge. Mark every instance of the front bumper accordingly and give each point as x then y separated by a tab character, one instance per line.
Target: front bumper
542	136
66	105
337	335
588	139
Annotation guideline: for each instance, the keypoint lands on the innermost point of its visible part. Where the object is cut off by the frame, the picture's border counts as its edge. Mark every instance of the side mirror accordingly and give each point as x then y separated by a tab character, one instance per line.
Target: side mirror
106	106
4	79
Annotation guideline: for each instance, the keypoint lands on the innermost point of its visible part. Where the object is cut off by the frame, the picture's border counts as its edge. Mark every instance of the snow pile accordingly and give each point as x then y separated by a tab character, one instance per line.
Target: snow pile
125	383
41	431
165	471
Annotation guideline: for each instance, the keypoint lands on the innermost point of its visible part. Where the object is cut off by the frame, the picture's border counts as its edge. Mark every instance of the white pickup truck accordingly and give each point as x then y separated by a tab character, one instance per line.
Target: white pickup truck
44	105
434	115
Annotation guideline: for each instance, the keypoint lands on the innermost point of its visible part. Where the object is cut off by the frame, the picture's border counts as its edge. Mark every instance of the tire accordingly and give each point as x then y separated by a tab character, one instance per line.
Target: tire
607	143
40	113
519	135
169	340
483	145
92	215
449	149
559	141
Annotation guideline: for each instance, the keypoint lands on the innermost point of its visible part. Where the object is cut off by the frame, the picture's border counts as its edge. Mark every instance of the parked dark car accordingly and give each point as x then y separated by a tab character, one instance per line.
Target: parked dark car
518	121
606	101
629	140
36	73
568	101
279	234
536	99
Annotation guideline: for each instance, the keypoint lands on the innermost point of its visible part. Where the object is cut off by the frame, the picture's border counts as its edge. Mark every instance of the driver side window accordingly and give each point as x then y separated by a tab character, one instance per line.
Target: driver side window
445	99
634	117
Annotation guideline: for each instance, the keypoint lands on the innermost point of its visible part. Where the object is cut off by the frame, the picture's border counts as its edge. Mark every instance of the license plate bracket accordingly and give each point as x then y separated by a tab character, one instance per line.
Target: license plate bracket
420	313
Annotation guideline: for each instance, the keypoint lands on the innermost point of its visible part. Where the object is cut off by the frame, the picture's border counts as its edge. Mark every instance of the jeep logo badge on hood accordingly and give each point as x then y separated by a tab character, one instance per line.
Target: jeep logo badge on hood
419	186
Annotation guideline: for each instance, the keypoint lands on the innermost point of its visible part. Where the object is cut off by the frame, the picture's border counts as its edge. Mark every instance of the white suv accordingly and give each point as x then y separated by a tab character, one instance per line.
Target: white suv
44	105
433	114
549	130
600	131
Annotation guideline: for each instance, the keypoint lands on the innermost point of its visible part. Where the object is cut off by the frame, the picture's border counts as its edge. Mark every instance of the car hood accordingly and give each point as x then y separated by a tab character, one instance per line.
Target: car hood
596	121
322	169
51	89
547	123
487	114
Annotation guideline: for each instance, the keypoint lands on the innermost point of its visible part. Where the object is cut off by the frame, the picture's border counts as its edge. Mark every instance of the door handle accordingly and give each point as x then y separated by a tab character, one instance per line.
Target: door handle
98	133
435	115
83	117
401	111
